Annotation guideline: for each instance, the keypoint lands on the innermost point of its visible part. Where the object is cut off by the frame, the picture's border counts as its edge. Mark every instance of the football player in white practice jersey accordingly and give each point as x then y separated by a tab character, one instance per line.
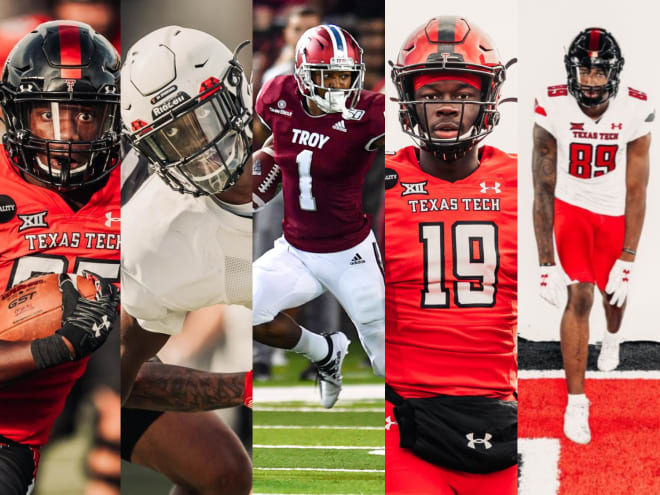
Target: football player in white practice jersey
187	245
590	168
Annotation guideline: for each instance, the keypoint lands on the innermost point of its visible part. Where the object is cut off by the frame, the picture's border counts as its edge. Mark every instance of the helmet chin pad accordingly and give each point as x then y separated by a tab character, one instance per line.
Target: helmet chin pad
334	101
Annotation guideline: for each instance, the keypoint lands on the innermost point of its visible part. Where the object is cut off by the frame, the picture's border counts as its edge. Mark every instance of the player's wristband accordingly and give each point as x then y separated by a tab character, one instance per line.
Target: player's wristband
629	251
247	390
547	264
50	351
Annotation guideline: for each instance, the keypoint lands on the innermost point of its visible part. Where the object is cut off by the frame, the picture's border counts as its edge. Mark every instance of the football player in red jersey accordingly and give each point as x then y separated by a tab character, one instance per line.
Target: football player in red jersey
325	131
450	272
60	101
591	169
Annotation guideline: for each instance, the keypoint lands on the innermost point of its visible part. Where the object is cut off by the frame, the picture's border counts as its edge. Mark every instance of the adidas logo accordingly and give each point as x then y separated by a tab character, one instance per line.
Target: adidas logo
340	126
357	259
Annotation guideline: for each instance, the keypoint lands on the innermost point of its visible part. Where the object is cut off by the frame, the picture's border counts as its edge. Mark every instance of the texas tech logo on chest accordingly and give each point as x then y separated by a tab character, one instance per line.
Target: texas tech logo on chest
310	139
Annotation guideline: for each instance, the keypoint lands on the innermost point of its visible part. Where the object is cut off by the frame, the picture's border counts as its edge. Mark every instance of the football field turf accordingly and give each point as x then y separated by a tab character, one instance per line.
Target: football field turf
302	448
622	456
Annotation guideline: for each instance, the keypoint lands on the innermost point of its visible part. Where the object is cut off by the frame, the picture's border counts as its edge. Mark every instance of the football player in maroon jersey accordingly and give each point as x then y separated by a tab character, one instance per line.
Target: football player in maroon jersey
60	101
325	132
450	272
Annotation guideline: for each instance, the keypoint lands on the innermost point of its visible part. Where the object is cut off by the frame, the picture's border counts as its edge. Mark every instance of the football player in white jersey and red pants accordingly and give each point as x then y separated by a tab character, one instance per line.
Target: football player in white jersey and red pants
590	167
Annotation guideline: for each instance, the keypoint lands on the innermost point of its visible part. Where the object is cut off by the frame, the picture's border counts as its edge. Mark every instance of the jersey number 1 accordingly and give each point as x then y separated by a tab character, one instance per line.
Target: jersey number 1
475	263
304	161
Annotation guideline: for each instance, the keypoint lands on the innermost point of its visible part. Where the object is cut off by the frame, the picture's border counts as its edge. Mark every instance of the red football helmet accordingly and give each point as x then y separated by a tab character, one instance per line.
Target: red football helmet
329	48
449	45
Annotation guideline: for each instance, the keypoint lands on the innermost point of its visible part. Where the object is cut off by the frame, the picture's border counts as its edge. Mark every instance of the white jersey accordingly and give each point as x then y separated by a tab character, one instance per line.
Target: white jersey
592	155
179	254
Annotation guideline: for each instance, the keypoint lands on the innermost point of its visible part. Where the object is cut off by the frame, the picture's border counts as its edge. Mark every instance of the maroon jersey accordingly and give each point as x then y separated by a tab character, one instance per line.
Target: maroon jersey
40	233
324	160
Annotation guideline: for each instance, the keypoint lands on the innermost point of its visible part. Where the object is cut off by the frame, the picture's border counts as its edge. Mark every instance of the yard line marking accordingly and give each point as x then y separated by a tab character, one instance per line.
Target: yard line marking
320	410
603	375
338	470
310	393
317	447
324	427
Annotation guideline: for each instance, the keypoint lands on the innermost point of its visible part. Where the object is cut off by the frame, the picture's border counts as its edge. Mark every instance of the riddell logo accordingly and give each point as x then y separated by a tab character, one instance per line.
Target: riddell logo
169	104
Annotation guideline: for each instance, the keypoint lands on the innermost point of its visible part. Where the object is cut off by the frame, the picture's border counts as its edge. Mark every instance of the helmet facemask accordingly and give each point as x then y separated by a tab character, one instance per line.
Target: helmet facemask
330	100
201	147
63	144
476	118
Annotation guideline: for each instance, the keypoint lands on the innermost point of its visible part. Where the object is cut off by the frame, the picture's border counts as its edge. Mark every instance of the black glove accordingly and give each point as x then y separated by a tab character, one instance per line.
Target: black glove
85	323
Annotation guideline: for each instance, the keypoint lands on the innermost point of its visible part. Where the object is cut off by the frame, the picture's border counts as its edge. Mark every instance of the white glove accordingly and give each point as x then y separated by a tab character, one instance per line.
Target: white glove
618	282
552	284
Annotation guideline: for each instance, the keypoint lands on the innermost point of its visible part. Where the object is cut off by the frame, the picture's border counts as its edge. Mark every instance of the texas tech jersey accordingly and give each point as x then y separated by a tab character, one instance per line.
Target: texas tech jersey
450	275
39	232
180	254
591	154
324	160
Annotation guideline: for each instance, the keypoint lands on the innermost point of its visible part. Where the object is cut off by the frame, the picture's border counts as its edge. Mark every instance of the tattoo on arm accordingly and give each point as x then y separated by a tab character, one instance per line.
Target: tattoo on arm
544	171
165	387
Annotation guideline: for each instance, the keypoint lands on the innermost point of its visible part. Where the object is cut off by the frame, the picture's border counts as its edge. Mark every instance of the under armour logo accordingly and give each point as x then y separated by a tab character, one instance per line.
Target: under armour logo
105	324
617	126
544	279
625	275
474	441
33	221
496	188
389	422
414	188
110	219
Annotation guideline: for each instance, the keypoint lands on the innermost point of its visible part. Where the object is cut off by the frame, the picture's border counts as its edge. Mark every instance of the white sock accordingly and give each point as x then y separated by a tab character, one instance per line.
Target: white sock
610	337
577	399
311	345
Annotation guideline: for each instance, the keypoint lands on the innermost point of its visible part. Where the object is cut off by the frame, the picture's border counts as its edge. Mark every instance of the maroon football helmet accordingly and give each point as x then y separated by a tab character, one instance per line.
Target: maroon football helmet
329	48
453	46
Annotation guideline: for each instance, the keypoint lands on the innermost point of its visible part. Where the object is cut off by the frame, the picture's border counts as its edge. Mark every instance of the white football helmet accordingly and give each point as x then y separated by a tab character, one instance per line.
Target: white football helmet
187	106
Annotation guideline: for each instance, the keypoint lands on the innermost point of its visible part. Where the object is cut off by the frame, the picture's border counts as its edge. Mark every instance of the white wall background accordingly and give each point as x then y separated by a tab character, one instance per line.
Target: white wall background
545	30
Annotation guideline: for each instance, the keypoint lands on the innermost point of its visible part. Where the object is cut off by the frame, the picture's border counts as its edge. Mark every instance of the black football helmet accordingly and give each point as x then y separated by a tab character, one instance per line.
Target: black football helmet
60	99
593	48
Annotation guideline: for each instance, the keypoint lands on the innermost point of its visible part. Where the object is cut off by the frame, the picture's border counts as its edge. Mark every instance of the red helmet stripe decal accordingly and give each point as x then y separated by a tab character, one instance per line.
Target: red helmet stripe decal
594	40
70	51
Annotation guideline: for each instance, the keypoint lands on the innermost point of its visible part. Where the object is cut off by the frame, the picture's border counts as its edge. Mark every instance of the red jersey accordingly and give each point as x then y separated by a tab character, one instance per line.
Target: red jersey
450	275
39	232
324	160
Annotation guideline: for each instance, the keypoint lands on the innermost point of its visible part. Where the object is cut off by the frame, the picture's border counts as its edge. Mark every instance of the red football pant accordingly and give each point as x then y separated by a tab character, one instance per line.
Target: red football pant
588	243
407	474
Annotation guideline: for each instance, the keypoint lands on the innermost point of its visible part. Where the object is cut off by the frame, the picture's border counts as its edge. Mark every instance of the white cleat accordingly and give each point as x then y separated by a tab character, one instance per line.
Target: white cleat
330	368
576	423
608	359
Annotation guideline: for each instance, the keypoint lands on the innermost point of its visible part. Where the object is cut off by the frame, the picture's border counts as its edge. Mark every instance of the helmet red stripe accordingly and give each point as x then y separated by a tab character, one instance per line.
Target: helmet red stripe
594	40
70	51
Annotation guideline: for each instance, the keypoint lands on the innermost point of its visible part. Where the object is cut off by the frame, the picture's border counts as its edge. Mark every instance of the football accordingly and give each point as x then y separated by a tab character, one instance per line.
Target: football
33	309
266	178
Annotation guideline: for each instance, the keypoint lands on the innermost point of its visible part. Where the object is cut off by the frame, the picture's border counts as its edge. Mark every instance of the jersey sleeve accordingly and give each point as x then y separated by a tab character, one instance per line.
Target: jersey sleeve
376	121
542	116
645	114
144	306
262	102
